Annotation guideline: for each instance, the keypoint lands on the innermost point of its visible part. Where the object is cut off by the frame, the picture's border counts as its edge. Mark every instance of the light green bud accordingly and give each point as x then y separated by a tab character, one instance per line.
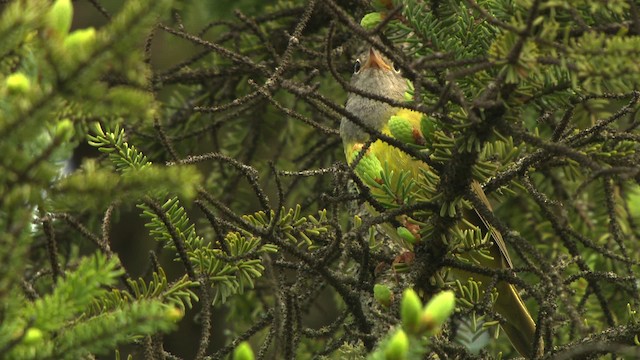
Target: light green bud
383	295
406	234
410	310
80	42
60	16
437	311
398	346
369	168
174	313
64	129
18	83
402	129
371	20
32	336
243	352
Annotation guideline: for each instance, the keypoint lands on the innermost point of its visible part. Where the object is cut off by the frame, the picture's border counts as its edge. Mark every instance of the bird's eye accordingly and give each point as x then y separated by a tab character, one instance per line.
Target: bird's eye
396	68
356	67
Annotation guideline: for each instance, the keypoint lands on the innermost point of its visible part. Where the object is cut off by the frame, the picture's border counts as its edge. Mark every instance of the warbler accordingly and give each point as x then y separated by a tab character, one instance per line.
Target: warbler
374	74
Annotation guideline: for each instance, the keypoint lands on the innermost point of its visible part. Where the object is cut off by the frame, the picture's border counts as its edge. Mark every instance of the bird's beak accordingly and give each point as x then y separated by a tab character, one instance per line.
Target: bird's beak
375	61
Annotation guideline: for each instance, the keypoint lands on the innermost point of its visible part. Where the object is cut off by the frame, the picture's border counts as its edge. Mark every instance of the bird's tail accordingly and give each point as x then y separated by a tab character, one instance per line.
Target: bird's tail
519	326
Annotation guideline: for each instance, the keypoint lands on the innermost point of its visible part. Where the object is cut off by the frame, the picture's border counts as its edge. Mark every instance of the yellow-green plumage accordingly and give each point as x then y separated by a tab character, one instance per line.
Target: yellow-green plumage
374	75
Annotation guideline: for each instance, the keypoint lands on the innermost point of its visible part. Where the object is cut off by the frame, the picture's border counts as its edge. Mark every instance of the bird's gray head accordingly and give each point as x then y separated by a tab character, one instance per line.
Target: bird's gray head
375	74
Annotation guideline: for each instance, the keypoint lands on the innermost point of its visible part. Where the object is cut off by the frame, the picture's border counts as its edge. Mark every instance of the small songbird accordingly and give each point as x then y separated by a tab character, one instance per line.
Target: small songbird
374	74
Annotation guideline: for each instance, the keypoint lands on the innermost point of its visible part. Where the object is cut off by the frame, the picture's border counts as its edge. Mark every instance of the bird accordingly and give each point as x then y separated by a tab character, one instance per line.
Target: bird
374	74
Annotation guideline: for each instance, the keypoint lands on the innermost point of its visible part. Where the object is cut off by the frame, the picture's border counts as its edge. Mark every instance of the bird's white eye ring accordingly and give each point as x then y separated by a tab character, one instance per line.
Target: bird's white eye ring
356	66
396	68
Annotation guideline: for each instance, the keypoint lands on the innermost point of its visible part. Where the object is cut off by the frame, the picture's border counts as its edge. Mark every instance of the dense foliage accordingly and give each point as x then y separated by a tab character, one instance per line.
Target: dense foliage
217	207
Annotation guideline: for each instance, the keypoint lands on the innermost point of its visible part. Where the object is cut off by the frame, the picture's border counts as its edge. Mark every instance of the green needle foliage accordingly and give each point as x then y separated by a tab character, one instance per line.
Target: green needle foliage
173	184
58	325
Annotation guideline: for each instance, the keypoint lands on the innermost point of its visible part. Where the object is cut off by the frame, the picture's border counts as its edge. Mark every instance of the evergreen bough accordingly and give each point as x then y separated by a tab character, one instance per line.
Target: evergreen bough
232	159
